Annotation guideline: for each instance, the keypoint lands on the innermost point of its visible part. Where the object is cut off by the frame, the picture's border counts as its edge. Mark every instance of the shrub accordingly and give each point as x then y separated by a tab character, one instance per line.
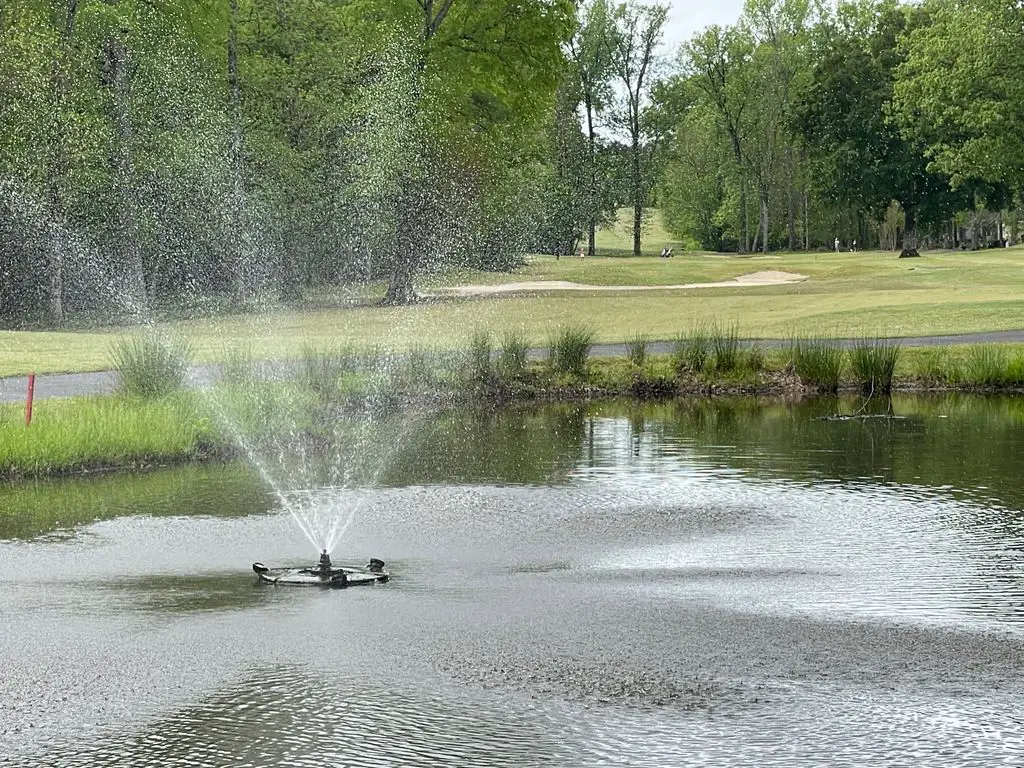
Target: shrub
985	366
150	365
817	363
569	350
873	362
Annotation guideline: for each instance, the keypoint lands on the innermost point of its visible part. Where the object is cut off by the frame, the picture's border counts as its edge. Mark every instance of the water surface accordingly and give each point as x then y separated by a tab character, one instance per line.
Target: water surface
696	583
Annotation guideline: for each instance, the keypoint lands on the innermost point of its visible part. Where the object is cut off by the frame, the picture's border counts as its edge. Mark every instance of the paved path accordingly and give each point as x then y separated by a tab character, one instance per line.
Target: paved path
13	389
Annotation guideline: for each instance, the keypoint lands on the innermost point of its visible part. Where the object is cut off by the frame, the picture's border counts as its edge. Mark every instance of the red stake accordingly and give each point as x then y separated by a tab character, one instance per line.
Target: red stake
28	401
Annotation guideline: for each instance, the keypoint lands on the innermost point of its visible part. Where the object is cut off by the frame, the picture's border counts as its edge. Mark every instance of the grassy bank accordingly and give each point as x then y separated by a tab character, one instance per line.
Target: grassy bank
317	401
844	295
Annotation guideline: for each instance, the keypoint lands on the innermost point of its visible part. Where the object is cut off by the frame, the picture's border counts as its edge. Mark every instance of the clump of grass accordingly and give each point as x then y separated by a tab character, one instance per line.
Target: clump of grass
415	369
512	362
322	371
873	362
725	347
690	351
149	365
818	363
569	349
237	365
636	350
481	349
986	365
935	367
1015	371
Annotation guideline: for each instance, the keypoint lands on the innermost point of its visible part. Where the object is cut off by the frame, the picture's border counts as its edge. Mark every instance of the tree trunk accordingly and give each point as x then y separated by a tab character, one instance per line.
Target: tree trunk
909	233
807	222
237	257
638	200
126	213
61	161
592	192
763	198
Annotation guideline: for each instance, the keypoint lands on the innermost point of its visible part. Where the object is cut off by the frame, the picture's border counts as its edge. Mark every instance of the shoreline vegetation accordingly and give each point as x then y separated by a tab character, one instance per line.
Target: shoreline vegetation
158	420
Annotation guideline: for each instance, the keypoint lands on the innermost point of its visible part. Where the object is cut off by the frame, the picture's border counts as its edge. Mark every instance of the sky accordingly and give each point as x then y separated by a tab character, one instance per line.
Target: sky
688	16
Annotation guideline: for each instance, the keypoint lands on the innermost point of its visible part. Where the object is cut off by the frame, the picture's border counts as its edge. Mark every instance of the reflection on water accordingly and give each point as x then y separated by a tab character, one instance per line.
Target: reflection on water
689	583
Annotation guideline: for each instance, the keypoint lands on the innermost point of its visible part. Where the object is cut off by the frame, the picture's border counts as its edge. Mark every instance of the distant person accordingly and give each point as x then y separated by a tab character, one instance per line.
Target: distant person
669	254
837	245
663	254
854	248
581	253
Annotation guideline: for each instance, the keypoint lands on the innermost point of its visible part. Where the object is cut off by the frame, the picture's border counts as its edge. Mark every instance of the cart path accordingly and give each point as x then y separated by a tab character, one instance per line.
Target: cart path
13	388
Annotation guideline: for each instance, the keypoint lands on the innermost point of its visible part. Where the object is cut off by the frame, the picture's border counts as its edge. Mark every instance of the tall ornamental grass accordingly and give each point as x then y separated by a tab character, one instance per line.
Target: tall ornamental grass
636	350
569	350
150	365
725	347
691	350
873	362
817	363
512	361
481	349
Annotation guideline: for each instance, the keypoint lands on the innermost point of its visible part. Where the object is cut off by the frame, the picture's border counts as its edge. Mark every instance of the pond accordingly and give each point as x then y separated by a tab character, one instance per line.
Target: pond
727	582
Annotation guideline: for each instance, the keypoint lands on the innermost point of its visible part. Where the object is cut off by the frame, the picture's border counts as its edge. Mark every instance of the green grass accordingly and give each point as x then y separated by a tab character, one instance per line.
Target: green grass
846	295
817	362
569	350
87	432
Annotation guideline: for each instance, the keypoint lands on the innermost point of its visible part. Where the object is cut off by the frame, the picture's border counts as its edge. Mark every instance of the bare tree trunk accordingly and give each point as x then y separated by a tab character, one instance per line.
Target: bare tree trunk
126	228
909	233
807	222
592	192
763	198
59	154
638	199
237	256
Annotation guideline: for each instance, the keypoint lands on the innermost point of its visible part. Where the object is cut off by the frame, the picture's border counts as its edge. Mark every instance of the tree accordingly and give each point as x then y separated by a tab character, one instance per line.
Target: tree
860	156
640	32
717	63
959	93
592	50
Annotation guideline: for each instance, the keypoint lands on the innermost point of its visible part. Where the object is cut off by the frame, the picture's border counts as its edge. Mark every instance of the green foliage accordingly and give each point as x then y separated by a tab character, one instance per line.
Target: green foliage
959	92
512	360
149	365
88	432
818	362
481	352
724	343
569	349
873	362
691	350
636	349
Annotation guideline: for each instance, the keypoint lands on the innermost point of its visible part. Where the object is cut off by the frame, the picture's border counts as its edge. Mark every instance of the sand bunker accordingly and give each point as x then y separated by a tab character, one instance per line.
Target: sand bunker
767	277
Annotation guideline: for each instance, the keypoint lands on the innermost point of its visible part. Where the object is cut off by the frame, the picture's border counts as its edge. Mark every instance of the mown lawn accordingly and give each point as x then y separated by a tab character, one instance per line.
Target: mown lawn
870	293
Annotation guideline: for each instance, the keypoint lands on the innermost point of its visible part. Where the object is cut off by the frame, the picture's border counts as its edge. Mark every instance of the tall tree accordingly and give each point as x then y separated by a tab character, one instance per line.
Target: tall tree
860	156
717	62
592	50
959	89
640	32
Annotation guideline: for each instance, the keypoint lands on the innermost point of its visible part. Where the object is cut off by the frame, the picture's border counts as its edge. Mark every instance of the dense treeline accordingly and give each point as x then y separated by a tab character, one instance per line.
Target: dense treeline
873	123
239	151
249	149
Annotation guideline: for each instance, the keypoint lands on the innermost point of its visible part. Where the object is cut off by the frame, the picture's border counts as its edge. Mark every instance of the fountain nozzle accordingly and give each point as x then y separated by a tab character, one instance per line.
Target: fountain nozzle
325	563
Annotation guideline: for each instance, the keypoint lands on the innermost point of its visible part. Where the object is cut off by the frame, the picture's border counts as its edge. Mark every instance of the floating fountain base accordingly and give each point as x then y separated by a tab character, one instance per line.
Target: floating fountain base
324	574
